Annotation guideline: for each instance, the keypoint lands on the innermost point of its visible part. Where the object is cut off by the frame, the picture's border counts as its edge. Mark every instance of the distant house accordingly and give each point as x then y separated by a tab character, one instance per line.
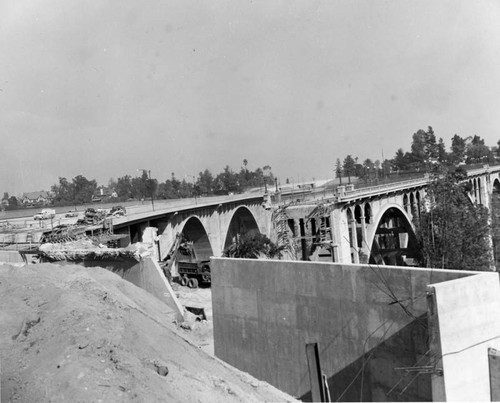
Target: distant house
103	193
35	198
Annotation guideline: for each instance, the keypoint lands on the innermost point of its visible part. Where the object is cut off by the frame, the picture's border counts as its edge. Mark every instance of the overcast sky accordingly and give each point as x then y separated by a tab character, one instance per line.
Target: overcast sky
102	88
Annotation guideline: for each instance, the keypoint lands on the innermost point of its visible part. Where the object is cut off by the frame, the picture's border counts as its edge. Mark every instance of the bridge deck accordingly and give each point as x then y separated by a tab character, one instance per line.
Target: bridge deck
181	206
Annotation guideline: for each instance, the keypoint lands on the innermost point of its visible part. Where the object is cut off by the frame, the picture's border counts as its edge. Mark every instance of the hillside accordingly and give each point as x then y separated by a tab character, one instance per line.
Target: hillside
76	334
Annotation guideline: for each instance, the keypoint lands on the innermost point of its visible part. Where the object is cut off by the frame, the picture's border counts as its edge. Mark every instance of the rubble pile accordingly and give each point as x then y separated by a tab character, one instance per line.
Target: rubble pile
86	249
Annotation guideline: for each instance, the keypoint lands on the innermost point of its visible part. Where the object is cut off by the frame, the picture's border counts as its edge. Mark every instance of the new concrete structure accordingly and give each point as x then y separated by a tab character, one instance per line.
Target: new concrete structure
371	325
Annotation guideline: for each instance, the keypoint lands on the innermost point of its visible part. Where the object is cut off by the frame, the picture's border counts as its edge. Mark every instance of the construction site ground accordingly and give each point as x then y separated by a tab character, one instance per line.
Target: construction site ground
199	331
70	333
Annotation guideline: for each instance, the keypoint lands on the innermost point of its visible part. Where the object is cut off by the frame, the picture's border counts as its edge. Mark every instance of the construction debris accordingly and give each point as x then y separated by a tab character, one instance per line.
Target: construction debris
85	249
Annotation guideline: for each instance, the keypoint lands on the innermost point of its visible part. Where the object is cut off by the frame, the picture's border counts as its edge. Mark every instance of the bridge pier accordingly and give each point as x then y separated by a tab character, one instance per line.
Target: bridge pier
354	241
340	236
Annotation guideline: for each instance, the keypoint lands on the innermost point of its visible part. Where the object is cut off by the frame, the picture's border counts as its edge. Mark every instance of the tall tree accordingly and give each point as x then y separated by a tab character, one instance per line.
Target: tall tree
123	187
477	152
64	193
424	148
349	166
13	203
441	150
399	161
453	233
338	170
205	182
369	169
458	146
83	189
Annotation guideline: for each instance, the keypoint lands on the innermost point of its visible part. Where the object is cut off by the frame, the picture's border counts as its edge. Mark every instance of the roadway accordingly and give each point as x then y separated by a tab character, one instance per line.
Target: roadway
137	211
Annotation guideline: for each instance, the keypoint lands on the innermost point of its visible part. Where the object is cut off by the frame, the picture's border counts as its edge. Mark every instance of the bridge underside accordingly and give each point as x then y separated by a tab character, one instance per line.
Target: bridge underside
195	232
242	223
394	242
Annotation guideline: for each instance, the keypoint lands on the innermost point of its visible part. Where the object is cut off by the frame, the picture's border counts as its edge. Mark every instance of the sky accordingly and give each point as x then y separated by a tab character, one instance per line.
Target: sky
104	88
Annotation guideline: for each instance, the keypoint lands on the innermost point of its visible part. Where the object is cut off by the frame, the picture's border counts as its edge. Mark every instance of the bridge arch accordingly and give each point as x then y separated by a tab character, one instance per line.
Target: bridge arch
392	236
496	186
358	213
194	230
368	213
242	222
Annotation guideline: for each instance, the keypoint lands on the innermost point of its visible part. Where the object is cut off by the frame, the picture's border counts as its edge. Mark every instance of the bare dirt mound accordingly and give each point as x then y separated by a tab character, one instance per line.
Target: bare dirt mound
84	334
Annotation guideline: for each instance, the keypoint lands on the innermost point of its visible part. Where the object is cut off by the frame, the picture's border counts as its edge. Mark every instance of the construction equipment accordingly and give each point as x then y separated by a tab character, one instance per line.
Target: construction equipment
191	268
171	255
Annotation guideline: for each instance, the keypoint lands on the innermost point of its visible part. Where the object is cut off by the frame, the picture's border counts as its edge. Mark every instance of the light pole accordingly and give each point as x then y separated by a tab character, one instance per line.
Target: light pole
150	185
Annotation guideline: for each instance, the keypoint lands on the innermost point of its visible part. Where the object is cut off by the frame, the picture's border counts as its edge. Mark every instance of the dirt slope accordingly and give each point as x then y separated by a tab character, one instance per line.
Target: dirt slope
77	334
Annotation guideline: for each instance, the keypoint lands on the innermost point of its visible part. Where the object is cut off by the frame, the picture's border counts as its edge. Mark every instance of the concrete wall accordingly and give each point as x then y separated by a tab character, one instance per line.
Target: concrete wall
10	256
464	323
367	321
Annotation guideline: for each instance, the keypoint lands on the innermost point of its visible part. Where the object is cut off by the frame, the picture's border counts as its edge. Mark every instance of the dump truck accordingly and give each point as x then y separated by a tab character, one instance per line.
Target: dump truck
192	268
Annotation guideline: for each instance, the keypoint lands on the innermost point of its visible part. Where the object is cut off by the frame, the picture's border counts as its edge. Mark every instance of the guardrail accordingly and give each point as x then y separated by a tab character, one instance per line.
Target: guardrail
374	190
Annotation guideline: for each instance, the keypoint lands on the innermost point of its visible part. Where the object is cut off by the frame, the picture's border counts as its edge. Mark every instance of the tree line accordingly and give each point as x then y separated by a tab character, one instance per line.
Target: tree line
427	154
81	190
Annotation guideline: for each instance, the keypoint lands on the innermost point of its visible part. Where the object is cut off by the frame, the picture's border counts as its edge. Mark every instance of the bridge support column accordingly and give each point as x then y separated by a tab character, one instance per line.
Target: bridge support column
354	246
365	248
414	211
340	236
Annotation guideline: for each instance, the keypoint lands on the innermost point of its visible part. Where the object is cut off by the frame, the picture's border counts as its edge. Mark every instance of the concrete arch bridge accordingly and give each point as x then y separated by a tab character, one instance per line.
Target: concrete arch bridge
369	225
210	224
373	224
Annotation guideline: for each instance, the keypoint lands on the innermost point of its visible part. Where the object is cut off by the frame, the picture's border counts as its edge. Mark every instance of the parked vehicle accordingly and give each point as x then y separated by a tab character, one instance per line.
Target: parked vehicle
70	214
117	211
45	214
92	216
192	270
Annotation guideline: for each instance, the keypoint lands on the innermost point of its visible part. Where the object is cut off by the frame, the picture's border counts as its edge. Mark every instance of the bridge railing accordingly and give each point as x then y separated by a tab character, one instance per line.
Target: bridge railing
373	190
367	191
482	170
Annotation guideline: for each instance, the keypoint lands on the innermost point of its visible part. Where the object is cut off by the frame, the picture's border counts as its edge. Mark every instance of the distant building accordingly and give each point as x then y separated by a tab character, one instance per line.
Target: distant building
103	193
36	198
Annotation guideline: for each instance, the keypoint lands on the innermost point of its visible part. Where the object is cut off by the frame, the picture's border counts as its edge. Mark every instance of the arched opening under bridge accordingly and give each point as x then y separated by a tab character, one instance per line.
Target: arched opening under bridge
394	242
495	221
242	223
195	232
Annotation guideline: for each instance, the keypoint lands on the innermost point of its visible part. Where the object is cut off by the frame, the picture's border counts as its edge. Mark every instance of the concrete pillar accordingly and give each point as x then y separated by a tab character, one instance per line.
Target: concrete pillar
354	247
303	243
414	209
364	240
340	236
485	191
